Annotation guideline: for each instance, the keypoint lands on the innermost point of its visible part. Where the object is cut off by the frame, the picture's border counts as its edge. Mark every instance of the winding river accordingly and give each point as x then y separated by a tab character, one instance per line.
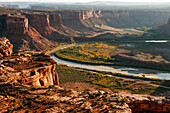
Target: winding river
116	69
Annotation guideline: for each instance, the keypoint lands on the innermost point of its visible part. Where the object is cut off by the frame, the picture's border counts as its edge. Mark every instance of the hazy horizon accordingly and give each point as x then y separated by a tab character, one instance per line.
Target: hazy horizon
155	1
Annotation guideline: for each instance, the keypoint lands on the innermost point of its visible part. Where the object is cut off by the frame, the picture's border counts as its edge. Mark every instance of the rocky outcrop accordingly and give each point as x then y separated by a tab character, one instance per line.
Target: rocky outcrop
28	68
146	106
6	48
164	29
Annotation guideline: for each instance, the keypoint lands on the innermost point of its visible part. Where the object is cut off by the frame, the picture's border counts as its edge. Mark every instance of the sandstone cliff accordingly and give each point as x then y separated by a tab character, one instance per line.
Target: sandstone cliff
17	29
79	20
42	23
56	22
6	48
17	24
132	18
145	106
164	29
115	18
30	40
28	68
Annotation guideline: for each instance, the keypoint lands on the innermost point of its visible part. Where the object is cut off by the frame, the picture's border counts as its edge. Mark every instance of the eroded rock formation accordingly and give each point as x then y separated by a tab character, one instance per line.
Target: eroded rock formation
26	68
16	24
38	20
17	29
79	19
146	106
6	48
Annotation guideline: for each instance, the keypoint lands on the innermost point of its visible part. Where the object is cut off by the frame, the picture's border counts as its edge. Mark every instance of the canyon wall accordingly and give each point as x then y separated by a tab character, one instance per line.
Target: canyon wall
71	19
16	24
49	25
18	30
55	18
164	29
85	20
132	18
79	20
38	20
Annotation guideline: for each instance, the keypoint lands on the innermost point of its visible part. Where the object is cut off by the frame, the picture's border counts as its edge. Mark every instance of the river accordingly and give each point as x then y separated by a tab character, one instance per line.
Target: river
116	69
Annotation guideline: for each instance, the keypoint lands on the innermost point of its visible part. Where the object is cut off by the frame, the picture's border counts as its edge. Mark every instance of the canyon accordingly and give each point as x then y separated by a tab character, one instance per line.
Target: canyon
28	78
42	30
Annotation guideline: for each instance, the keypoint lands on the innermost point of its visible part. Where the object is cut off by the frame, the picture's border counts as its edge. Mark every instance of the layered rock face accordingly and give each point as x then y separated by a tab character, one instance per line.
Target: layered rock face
149	107
16	24
79	19
37	20
17	29
6	48
90	14
26	68
164	29
55	18
125	18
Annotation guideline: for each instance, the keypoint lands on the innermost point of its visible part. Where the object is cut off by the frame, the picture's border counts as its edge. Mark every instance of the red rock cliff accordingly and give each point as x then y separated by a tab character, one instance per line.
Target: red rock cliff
49	26
79	19
16	24
149	107
38	20
28	68
17	29
90	14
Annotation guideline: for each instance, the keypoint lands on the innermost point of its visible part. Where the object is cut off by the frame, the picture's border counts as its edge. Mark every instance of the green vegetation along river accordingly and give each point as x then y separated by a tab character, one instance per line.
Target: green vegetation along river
116	69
